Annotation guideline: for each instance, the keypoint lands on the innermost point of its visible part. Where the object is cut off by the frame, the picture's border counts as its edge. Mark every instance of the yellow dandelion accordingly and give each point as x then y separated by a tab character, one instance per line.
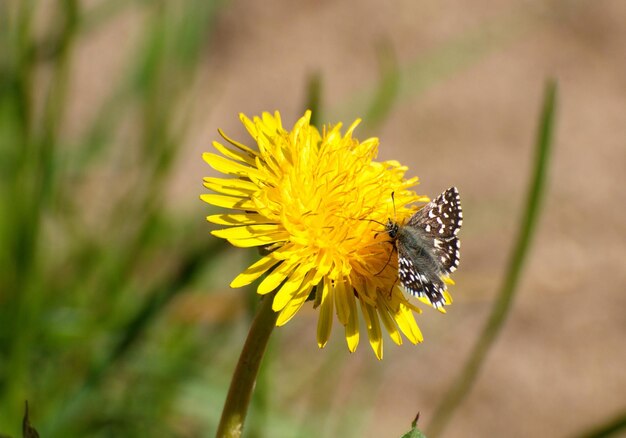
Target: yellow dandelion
315	201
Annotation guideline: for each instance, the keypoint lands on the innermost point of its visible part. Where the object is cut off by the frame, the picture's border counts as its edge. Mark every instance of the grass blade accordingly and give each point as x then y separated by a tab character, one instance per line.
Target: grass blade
537	189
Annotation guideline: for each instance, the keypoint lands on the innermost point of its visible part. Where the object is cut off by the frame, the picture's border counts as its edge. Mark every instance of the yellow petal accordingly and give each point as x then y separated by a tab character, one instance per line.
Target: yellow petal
448	280
351	129
249	125
232	186
325	320
229	167
426	301
298	300
253	272
276	277
241	146
269	123
388	322
341	302
269	163
352	328
409	304
234	155
248	231
373	328
229	202
310	279
287	290
364	292
292	308
261	240
407	324
237	219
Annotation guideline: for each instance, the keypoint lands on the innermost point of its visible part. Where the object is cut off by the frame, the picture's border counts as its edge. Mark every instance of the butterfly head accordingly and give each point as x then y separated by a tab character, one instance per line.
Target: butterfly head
391	228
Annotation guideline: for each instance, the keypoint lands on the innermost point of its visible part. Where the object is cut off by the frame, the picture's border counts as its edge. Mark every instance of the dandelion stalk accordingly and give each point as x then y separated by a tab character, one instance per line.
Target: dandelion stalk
464	382
240	391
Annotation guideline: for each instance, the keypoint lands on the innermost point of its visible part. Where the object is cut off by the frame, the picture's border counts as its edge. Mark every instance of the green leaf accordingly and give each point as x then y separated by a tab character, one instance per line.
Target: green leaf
28	431
414	432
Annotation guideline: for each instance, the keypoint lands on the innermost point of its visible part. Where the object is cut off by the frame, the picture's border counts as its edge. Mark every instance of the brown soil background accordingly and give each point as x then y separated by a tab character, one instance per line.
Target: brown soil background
558	366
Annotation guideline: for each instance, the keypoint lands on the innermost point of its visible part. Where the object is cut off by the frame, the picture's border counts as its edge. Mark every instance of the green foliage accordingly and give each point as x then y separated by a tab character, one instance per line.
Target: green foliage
414	432
85	335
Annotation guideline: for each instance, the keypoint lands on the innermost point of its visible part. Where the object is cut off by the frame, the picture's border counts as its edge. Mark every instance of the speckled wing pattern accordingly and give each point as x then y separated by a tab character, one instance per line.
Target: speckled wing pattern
428	247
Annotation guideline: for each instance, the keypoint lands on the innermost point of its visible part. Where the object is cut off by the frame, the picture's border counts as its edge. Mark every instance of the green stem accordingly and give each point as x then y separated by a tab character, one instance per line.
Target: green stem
240	391
616	425
464	382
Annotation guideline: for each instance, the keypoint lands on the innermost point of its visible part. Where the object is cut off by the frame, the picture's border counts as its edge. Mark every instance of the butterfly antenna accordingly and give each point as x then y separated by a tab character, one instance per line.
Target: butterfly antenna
393	201
368	220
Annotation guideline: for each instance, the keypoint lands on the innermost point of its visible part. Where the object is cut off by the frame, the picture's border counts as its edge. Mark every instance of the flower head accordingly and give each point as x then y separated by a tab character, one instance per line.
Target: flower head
316	201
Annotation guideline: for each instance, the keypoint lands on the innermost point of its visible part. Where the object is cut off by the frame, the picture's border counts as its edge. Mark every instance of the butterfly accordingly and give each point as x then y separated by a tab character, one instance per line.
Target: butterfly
428	246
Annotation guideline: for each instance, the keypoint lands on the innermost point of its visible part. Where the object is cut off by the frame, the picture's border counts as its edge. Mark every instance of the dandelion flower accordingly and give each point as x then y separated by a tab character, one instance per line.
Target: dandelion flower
314	201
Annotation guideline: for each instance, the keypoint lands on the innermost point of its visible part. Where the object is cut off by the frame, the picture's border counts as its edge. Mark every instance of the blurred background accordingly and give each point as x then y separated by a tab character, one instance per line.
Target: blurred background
115	314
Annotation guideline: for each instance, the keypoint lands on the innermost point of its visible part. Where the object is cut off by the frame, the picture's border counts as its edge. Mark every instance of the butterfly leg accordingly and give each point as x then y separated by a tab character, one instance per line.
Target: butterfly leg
388	260
392	286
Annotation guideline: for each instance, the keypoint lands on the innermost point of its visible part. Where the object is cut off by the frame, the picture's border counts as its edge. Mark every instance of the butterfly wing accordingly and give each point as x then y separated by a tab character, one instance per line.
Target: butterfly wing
417	279
441	220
